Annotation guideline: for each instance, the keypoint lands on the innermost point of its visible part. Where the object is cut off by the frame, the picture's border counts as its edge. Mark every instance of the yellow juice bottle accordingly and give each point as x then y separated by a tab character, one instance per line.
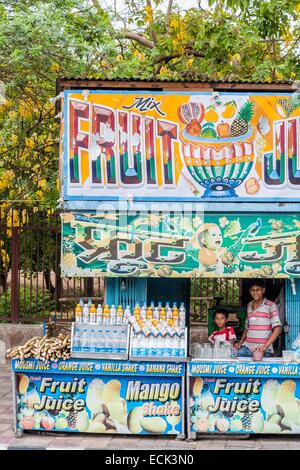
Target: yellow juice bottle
93	314
78	314
106	315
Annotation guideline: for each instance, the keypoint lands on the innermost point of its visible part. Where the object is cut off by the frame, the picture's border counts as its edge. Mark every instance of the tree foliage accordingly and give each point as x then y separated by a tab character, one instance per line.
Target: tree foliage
42	40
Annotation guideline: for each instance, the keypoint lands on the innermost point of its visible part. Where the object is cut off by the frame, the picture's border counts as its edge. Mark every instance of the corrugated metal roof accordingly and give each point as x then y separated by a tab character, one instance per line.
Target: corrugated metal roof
176	80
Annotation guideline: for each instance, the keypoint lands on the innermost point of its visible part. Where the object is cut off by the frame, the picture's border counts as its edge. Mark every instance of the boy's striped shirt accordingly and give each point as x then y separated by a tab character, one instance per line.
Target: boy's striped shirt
260	324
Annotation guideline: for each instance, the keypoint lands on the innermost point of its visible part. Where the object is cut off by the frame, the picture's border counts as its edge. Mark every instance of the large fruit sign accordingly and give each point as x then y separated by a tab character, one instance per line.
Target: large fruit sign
181	146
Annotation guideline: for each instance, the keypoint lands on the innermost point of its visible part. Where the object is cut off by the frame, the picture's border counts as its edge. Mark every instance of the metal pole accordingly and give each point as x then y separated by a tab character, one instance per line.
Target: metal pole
15	265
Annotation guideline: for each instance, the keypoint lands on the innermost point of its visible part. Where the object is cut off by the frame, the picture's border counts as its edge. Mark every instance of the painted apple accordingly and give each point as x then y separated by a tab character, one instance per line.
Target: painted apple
28	422
48	423
223	130
203	425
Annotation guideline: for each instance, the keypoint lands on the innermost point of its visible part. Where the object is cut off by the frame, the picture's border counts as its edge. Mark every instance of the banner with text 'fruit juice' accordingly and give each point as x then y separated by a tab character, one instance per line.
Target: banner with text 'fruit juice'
181	146
99	403
244	398
178	244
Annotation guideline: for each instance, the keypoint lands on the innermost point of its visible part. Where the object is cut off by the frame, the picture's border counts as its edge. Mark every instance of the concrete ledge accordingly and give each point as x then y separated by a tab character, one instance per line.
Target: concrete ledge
17	334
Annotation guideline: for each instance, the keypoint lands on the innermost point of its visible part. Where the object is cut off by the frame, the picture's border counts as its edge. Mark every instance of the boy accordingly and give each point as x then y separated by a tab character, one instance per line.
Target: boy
223	333
262	325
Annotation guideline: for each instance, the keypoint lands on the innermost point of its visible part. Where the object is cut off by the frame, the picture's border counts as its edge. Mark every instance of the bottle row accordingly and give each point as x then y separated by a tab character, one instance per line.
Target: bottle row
114	339
99	340
151	315
168	346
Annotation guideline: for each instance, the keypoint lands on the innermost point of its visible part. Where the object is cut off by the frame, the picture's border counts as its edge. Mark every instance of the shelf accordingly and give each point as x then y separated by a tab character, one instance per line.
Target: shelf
91	355
157	359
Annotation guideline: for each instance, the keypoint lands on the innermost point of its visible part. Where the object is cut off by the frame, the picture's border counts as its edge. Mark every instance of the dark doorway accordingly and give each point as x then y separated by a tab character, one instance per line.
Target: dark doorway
169	290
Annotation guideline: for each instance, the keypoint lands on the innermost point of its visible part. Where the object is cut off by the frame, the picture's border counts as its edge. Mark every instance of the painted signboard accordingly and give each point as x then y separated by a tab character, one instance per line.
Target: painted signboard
244	398
181	145
99	397
180	245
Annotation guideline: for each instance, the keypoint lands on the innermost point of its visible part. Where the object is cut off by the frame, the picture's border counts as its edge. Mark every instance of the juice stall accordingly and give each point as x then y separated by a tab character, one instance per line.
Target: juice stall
161	184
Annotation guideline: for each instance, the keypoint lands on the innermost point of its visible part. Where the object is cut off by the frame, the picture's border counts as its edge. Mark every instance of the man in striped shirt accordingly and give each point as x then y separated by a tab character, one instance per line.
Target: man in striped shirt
262	326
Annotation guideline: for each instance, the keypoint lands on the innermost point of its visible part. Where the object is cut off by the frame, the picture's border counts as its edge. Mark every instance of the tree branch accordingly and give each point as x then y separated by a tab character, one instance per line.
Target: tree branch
138	38
153	32
97	6
168	14
167	58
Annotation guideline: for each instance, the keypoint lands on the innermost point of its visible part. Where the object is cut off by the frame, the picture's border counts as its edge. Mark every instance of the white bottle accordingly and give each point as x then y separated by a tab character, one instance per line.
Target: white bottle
100	340
143	313
85	344
92	341
127	313
136	327
176	346
86	314
156	314
99	314
113	315
123	341
114	341
182	347
142	345
159	306
169	314
90	303
81	303
150	349
108	341
76	341
152	306
134	348
159	346
167	346
182	315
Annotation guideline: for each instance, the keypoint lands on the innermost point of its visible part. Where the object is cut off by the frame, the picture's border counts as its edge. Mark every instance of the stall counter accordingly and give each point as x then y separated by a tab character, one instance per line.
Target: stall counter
243	397
99	396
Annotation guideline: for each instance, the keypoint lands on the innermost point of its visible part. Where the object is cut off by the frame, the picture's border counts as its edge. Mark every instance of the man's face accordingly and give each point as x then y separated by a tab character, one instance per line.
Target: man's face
220	320
213	238
257	292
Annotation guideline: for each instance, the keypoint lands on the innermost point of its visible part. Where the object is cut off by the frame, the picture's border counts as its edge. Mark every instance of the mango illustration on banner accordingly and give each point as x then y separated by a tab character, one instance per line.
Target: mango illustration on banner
281	406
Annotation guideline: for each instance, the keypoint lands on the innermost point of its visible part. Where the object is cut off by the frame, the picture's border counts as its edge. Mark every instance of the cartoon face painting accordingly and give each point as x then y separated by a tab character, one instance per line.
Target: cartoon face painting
212	238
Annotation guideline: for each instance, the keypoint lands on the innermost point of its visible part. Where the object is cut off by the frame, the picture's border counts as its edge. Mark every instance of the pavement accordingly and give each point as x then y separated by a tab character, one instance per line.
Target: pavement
52	441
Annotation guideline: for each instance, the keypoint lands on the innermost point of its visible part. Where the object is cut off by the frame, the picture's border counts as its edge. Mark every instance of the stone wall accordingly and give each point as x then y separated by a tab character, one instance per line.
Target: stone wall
17	334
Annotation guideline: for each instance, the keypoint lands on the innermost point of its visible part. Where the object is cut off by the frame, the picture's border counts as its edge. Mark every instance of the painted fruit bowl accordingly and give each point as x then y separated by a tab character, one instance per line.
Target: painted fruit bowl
219	161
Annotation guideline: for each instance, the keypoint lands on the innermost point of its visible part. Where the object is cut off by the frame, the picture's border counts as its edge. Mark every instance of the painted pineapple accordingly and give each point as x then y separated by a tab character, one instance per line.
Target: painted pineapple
285	106
240	125
72	419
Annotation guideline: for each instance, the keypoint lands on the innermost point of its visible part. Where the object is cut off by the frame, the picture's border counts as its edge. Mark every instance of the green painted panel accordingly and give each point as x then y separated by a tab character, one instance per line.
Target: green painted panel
181	245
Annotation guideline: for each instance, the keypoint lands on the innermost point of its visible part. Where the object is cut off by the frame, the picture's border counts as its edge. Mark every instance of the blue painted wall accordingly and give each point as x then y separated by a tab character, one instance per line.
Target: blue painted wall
292	309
